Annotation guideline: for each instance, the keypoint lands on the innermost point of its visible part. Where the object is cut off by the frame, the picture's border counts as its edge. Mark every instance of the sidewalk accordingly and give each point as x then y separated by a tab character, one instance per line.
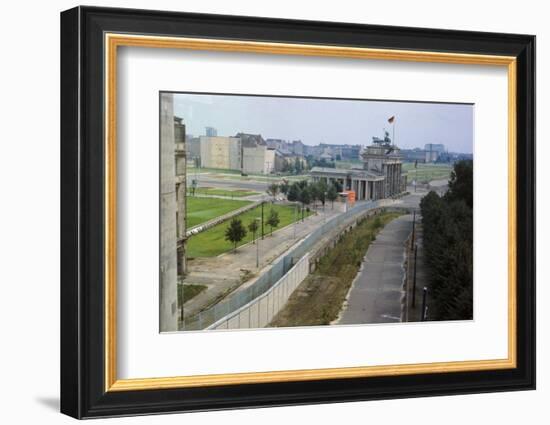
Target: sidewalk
413	313
378	290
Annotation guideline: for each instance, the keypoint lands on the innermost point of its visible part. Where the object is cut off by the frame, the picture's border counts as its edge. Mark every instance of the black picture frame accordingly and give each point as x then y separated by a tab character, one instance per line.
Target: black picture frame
83	392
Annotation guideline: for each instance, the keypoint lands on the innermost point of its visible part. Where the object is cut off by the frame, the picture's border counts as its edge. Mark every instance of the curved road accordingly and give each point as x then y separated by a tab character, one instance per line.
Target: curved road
377	292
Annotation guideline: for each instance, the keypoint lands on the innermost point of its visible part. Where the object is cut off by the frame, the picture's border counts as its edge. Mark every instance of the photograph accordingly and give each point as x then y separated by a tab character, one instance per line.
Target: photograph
286	211
262	211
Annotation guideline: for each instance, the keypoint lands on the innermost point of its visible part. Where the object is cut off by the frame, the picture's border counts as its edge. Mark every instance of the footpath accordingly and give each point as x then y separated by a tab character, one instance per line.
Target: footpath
378	291
415	284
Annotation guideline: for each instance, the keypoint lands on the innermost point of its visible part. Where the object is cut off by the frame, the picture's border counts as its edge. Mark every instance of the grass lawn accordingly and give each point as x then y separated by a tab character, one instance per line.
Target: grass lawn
427	172
191	170
348	163
200	210
237	193
271	178
186	292
236	174
212	242
318	299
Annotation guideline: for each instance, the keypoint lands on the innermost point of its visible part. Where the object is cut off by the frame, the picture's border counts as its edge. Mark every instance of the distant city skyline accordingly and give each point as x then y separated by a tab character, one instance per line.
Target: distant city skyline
331	121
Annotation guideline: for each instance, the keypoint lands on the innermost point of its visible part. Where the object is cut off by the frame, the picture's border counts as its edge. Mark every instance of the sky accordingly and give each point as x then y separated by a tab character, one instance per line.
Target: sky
333	121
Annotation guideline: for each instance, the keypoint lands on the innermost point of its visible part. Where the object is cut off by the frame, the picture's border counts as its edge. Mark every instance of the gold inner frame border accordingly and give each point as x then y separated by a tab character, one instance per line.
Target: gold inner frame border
112	41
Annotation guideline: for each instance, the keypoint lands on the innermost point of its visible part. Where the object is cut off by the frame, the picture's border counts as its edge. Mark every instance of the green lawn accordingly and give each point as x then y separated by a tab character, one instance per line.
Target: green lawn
261	177
348	163
200	170
200	210
212	242
237	193
236	174
425	173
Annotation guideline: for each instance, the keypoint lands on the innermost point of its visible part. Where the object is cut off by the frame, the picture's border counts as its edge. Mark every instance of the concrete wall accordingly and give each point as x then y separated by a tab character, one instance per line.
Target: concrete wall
168	225
215	221
193	147
221	152
181	159
254	159
271	161
259	312
180	155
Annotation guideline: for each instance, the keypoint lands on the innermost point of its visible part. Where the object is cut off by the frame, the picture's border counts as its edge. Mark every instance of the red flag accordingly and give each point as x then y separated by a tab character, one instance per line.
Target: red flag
391	119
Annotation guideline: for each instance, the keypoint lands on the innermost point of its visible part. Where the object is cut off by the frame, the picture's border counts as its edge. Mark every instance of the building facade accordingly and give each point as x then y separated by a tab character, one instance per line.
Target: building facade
193	147
254	153
435	147
221	152
210	132
172	211
297	147
255	160
432	152
338	152
180	156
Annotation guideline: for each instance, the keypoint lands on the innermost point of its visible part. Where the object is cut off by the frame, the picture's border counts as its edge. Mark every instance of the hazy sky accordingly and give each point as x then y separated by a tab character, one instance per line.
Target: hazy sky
317	121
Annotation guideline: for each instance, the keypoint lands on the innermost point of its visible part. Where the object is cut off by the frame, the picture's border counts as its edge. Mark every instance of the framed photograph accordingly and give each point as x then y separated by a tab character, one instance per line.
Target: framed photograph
261	212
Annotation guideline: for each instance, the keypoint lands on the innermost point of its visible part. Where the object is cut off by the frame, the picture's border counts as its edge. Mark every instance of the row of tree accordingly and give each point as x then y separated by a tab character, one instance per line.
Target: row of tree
322	162
306	193
299	165
295	166
448	243
236	230
301	191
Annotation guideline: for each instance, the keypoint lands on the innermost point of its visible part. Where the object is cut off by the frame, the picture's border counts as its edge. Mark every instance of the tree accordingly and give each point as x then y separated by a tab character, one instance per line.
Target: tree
284	186
302	183
332	194
322	191
323	163
305	198
338	186
288	167
253	227
310	161
461	184
273	190
235	232
293	194
314	192
298	165
447	224
273	220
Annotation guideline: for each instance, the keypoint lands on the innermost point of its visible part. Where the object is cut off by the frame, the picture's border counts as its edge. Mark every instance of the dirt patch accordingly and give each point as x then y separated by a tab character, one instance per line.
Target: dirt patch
310	303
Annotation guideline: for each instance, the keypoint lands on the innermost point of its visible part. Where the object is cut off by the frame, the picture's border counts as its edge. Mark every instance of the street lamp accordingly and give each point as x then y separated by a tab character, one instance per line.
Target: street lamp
295	219
262	217
257	219
324	202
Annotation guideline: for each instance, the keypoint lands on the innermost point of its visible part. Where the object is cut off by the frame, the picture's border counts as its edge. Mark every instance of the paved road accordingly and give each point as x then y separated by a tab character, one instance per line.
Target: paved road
205	180
414	313
376	294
